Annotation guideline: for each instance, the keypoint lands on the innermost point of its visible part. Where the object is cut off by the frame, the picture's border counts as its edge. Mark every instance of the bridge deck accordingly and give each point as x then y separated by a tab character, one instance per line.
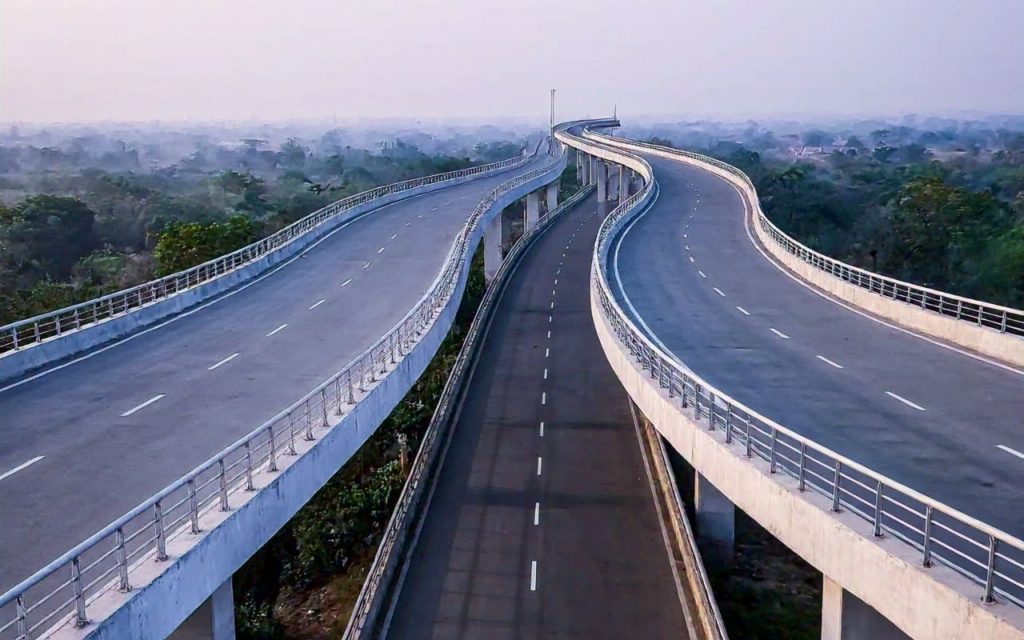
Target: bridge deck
575	500
121	423
923	414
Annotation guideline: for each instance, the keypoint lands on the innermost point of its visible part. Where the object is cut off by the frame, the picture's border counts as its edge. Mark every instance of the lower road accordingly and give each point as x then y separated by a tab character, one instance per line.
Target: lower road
86	441
542	523
939	420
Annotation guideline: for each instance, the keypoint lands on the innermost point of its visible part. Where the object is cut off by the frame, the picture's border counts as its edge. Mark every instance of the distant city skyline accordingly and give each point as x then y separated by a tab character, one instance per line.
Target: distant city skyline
142	61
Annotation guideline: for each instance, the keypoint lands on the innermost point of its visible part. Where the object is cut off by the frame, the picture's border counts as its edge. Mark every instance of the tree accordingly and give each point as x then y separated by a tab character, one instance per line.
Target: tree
185	244
45	236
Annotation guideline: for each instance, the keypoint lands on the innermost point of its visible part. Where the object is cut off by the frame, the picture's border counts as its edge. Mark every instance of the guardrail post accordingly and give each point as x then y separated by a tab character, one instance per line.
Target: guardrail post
22	616
14	334
711	411
771	455
750	444
76	587
161	536
272	462
802	476
193	506
835	486
309	424
248	468
121	556
990	573
222	479
926	547
878	510
728	423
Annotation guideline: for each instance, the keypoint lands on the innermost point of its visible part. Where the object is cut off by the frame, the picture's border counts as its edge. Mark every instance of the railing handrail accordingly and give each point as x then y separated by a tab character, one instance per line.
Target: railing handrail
443	284
756	204
170	284
632	207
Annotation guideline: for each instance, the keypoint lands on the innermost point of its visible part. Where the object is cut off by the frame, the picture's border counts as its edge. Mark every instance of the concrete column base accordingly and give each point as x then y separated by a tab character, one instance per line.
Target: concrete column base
213	620
844	616
716	519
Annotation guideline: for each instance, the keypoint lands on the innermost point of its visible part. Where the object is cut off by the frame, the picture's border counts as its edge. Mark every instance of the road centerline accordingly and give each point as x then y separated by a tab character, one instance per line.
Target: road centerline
23	465
904	401
142	406
224	361
281	328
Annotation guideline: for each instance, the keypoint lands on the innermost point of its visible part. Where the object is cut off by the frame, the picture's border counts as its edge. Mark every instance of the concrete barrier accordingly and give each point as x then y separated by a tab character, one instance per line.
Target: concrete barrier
14	364
885	573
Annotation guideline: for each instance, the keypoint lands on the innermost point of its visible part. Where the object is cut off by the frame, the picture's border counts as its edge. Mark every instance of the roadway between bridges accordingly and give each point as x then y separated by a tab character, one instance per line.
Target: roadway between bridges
542	523
86	441
936	419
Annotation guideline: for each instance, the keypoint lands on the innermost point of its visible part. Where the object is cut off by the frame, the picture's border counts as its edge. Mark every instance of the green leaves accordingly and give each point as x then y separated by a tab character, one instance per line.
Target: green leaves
185	244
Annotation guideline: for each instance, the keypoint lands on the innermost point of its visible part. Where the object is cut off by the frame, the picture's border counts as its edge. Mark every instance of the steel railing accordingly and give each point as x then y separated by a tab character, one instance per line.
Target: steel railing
985	555
106	560
30	331
984	314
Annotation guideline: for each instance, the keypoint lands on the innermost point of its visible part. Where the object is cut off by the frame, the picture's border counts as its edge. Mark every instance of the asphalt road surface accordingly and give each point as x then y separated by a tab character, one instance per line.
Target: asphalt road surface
542	524
940	421
86	442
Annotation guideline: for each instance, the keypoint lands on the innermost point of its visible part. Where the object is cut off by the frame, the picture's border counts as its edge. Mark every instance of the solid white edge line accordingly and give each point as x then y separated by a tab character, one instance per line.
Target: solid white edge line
831	362
778	333
21	466
743	311
1009	450
317	304
533	575
224	361
143	405
904	401
277	329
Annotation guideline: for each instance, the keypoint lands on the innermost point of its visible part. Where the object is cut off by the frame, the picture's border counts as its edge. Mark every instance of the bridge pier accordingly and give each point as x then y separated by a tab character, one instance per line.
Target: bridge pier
613	184
844	616
716	518
623	182
532	210
579	167
213	620
551	196
496	237
602	181
593	164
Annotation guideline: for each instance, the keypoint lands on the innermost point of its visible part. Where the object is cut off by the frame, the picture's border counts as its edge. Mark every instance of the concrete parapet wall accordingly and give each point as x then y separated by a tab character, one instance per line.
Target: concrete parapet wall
934	603
14	364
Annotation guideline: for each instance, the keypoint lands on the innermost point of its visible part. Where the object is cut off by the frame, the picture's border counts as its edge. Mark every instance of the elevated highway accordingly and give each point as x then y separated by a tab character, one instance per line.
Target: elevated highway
93	436
778	393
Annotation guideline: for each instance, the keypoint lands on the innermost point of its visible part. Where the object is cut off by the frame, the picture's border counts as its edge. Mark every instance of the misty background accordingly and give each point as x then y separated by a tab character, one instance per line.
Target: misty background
257	60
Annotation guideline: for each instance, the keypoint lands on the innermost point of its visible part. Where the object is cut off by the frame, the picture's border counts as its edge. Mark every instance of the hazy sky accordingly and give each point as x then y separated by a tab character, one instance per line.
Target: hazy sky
88	60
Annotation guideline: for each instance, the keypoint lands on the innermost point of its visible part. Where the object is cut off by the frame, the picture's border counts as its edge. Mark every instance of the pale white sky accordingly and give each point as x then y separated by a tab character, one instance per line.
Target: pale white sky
100	60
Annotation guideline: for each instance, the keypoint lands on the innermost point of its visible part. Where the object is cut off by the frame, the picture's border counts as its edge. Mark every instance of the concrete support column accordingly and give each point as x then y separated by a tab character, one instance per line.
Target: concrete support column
579	167
844	616
716	518
623	183
532	210
613	184
594	162
213	620
602	182
493	239
552	196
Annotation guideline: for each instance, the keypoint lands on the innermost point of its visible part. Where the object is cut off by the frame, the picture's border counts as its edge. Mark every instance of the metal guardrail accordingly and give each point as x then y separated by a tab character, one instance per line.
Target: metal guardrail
365	619
984	314
106	559
985	555
29	331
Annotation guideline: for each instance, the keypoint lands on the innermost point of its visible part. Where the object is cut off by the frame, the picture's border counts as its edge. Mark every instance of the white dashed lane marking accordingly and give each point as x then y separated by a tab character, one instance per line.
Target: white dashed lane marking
277	329
743	311
718	291
1012	452
317	304
904	401
224	361
829	362
702	274
779	333
142	406
346	283
23	465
